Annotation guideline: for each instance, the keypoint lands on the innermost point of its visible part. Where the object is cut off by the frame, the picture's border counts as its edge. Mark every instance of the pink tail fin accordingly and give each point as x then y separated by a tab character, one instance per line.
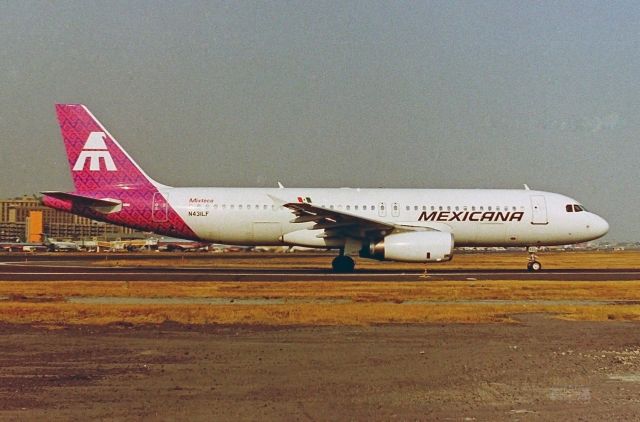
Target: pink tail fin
96	160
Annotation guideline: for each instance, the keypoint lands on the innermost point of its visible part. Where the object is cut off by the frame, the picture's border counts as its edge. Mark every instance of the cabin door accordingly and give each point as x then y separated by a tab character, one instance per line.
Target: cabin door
538	210
159	208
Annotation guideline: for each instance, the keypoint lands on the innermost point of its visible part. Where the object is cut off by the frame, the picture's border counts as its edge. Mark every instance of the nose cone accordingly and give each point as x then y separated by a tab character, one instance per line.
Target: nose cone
599	226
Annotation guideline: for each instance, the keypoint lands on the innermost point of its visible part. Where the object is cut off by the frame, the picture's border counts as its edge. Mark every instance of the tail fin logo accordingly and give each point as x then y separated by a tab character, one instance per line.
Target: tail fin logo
94	149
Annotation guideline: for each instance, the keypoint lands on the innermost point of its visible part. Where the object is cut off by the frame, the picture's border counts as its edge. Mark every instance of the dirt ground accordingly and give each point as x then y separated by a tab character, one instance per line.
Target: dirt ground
538	369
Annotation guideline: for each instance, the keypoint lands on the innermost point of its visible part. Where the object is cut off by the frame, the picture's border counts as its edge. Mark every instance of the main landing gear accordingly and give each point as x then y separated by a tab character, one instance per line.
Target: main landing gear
533	264
343	263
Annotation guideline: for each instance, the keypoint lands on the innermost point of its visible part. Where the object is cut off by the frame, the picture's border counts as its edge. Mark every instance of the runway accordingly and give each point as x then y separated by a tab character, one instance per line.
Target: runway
43	270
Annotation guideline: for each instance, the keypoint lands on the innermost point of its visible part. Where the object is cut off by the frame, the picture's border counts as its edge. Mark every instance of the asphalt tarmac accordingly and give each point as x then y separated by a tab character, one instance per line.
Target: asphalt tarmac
39	268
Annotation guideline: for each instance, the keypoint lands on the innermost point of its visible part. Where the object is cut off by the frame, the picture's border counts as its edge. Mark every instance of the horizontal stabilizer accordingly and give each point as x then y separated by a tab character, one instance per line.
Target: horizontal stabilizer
106	205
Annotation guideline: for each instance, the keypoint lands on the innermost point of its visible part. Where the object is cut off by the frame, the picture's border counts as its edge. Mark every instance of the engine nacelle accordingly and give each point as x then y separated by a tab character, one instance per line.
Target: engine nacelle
427	246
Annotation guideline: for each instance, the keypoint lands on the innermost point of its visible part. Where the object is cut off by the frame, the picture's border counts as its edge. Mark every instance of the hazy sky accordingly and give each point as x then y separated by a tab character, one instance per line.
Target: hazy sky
362	94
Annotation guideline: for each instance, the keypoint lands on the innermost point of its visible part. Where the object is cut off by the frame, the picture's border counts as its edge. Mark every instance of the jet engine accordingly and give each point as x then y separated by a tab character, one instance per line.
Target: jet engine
424	246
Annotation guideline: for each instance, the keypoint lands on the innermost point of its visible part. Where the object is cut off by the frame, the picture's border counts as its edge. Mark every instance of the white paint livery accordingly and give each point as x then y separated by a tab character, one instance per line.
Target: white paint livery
251	216
219	222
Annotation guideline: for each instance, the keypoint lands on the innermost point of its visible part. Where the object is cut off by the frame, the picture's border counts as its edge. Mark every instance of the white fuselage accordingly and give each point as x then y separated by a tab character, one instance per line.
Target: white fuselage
475	217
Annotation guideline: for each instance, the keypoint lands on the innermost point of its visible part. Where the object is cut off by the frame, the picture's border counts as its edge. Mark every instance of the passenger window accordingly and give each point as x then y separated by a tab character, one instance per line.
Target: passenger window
348	207
373	207
408	208
364	207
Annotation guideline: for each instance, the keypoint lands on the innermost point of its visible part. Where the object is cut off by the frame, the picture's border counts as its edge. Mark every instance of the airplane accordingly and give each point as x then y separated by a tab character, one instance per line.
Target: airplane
59	246
180	245
22	247
408	225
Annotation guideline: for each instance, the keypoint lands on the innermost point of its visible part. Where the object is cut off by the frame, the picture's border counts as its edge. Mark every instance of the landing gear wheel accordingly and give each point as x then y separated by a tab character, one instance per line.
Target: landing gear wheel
343	264
534	266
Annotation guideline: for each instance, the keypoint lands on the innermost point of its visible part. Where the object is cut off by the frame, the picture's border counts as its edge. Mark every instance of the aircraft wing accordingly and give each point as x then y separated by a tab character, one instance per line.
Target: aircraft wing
344	223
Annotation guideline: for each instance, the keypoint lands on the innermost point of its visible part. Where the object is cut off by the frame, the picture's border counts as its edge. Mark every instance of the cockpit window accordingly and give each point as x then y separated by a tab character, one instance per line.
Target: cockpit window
575	208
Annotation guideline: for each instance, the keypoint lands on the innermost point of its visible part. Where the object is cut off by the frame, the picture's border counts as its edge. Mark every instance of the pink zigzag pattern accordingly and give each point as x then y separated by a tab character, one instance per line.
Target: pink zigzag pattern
127	184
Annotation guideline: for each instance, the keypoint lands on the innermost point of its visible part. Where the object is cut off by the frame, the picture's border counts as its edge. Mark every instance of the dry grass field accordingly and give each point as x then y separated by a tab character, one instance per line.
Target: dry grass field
329	303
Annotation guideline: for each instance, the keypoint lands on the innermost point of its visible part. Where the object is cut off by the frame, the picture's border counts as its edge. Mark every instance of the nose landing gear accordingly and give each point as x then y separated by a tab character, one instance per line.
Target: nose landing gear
533	264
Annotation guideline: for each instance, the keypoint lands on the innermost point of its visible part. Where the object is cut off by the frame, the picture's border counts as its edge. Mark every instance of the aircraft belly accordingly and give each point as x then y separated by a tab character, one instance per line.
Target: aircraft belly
236	230
463	234
207	228
266	232
490	233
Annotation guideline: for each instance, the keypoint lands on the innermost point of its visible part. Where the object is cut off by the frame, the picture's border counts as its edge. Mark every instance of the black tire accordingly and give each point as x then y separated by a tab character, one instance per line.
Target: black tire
343	264
536	266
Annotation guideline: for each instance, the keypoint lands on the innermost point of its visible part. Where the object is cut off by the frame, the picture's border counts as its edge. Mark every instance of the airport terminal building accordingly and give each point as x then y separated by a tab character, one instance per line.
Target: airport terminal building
15	215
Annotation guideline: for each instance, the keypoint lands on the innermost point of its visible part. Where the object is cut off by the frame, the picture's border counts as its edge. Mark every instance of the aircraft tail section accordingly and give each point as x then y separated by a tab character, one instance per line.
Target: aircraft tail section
109	185
96	160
